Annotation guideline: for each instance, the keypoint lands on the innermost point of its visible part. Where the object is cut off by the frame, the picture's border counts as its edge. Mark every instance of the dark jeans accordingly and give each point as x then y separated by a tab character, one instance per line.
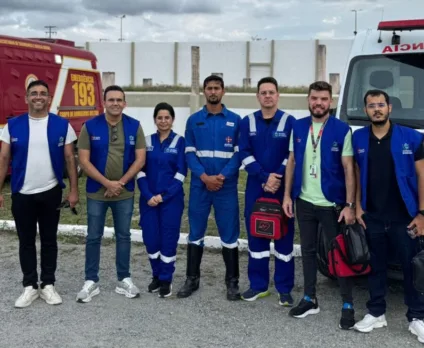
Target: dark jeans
122	213
27	210
309	216
381	235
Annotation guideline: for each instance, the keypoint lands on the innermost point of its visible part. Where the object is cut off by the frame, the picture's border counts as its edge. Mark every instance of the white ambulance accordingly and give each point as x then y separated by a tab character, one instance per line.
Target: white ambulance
390	58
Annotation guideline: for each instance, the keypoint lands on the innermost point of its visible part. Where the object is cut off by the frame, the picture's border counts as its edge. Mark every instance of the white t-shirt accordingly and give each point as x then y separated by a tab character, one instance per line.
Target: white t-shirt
39	175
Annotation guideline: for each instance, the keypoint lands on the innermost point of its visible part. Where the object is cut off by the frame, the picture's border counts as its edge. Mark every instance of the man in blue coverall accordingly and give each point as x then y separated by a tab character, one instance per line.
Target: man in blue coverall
264	149
213	159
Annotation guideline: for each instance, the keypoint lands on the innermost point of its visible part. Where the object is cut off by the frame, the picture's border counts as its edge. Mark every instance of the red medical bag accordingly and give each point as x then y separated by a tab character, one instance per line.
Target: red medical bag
268	219
337	261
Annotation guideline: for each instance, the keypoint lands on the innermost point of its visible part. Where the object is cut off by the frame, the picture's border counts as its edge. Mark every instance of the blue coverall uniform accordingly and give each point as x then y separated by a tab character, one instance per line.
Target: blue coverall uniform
264	149
163	173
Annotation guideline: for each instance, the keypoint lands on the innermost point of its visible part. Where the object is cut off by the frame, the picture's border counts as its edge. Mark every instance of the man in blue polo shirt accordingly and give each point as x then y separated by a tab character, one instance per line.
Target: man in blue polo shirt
390	200
213	158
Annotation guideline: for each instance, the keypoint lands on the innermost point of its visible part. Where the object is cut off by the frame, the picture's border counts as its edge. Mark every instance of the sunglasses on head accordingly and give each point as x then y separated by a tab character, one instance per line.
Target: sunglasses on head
66	204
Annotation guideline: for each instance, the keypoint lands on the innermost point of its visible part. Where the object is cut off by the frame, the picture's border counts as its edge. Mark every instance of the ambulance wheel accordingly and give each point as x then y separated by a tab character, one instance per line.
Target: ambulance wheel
322	254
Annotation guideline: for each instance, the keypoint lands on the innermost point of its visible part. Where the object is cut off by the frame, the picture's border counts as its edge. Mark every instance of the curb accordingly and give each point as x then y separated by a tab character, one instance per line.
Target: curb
136	236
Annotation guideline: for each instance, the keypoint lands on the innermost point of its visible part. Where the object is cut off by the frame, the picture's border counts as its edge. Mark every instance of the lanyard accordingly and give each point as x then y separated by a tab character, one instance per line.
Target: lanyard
315	144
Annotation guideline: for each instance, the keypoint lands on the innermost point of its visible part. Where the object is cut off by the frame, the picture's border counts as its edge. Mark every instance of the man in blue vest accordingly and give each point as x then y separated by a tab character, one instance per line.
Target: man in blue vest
112	151
213	158
390	200
320	178
264	149
39	144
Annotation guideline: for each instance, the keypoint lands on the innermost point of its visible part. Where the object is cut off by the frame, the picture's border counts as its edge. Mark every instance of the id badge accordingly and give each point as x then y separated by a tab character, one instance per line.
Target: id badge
313	170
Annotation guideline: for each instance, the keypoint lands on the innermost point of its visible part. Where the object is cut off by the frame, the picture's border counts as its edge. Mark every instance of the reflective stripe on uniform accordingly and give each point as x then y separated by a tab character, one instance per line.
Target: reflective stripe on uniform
141	175
148	141
179	176
190	149
168	259
248	160
282	257
252	123
214	154
174	142
282	123
229	246
154	256
259	255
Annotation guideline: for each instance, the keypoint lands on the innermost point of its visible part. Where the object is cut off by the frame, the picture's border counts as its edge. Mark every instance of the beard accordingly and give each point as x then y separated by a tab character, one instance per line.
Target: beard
214	100
379	123
319	115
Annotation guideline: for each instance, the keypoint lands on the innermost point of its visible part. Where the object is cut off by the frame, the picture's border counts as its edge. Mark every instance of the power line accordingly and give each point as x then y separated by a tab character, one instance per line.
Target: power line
50	32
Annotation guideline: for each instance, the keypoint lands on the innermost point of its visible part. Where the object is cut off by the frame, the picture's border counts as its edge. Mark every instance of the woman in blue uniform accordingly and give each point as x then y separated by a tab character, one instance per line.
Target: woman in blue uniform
162	198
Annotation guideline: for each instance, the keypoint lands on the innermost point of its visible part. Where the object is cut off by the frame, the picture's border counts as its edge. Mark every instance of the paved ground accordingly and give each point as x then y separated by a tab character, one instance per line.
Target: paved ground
206	319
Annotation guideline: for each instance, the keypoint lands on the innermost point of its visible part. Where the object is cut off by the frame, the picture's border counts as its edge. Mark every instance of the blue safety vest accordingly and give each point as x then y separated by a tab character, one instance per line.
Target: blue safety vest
404	142
98	131
57	129
332	173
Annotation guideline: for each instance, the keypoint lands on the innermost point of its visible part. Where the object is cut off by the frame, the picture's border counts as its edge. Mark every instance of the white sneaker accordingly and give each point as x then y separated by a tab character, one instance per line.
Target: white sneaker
417	328
27	297
370	323
126	287
88	291
50	295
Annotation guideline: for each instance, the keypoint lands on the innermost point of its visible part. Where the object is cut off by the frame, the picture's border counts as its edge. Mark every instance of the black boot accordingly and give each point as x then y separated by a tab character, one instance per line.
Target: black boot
231	260
194	258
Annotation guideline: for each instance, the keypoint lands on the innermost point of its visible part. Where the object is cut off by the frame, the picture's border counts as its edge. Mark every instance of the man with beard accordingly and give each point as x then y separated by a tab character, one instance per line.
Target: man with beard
264	149
390	200
39	144
320	178
213	158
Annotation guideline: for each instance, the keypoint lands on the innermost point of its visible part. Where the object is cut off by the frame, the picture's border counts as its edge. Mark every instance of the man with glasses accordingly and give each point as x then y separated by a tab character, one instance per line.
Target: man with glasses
39	144
389	201
111	150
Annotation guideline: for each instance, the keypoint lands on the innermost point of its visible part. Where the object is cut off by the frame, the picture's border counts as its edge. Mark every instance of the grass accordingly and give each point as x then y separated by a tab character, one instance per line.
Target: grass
228	89
81	219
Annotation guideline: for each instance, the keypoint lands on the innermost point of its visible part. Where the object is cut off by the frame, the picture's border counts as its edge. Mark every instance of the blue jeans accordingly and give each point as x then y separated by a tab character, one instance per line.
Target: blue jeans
122	213
381	235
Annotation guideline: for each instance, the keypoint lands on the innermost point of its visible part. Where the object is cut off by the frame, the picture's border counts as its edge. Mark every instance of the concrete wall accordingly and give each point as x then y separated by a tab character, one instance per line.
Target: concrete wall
291	62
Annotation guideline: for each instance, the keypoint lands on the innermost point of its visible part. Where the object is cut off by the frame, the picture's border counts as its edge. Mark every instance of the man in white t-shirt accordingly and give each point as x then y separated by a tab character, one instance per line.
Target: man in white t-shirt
39	144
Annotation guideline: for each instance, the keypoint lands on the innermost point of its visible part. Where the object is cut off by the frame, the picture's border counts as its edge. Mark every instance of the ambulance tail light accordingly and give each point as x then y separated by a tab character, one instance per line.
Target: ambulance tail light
409	24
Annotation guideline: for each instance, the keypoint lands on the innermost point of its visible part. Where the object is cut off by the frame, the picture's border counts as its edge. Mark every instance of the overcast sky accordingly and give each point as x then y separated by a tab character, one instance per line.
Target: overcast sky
199	20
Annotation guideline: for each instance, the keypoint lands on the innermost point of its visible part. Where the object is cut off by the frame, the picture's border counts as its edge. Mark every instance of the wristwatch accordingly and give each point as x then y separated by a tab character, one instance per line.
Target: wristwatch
350	205
421	212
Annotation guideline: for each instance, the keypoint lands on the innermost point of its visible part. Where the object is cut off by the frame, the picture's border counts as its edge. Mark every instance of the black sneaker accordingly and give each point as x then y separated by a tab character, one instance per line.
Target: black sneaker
154	285
347	321
305	307
165	289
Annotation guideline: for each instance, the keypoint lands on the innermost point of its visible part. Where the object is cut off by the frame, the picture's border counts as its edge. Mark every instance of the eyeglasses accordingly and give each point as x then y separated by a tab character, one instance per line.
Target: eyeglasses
41	94
114	134
376	105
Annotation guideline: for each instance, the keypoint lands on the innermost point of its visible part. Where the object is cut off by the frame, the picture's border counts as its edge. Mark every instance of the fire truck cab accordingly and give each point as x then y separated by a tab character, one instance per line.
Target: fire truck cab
71	73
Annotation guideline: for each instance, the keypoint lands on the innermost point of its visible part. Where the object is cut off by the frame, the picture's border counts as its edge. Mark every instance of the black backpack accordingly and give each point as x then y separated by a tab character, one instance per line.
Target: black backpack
357	251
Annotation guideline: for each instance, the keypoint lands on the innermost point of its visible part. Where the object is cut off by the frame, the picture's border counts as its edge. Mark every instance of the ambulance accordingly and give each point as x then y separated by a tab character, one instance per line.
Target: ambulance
390	58
70	72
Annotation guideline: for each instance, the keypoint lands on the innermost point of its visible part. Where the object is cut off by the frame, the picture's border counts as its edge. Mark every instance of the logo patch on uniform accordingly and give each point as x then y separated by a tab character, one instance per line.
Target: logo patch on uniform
14	140
230	124
406	149
61	141
298	140
132	140
149	148
93	137
252	134
228	142
171	150
280	135
335	147
361	151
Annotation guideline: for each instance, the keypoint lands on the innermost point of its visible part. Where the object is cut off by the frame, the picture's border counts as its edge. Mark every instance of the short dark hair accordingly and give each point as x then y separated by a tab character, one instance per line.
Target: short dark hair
37	83
113	88
320	86
268	79
215	78
164	106
376	93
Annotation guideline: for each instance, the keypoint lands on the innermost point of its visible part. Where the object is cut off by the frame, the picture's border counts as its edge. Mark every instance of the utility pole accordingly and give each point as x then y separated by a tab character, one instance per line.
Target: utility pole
50	32
356	20
121	38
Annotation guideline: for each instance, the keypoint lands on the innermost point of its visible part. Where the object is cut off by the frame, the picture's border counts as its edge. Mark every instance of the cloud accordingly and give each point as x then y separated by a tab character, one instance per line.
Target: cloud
61	6
137	7
332	20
